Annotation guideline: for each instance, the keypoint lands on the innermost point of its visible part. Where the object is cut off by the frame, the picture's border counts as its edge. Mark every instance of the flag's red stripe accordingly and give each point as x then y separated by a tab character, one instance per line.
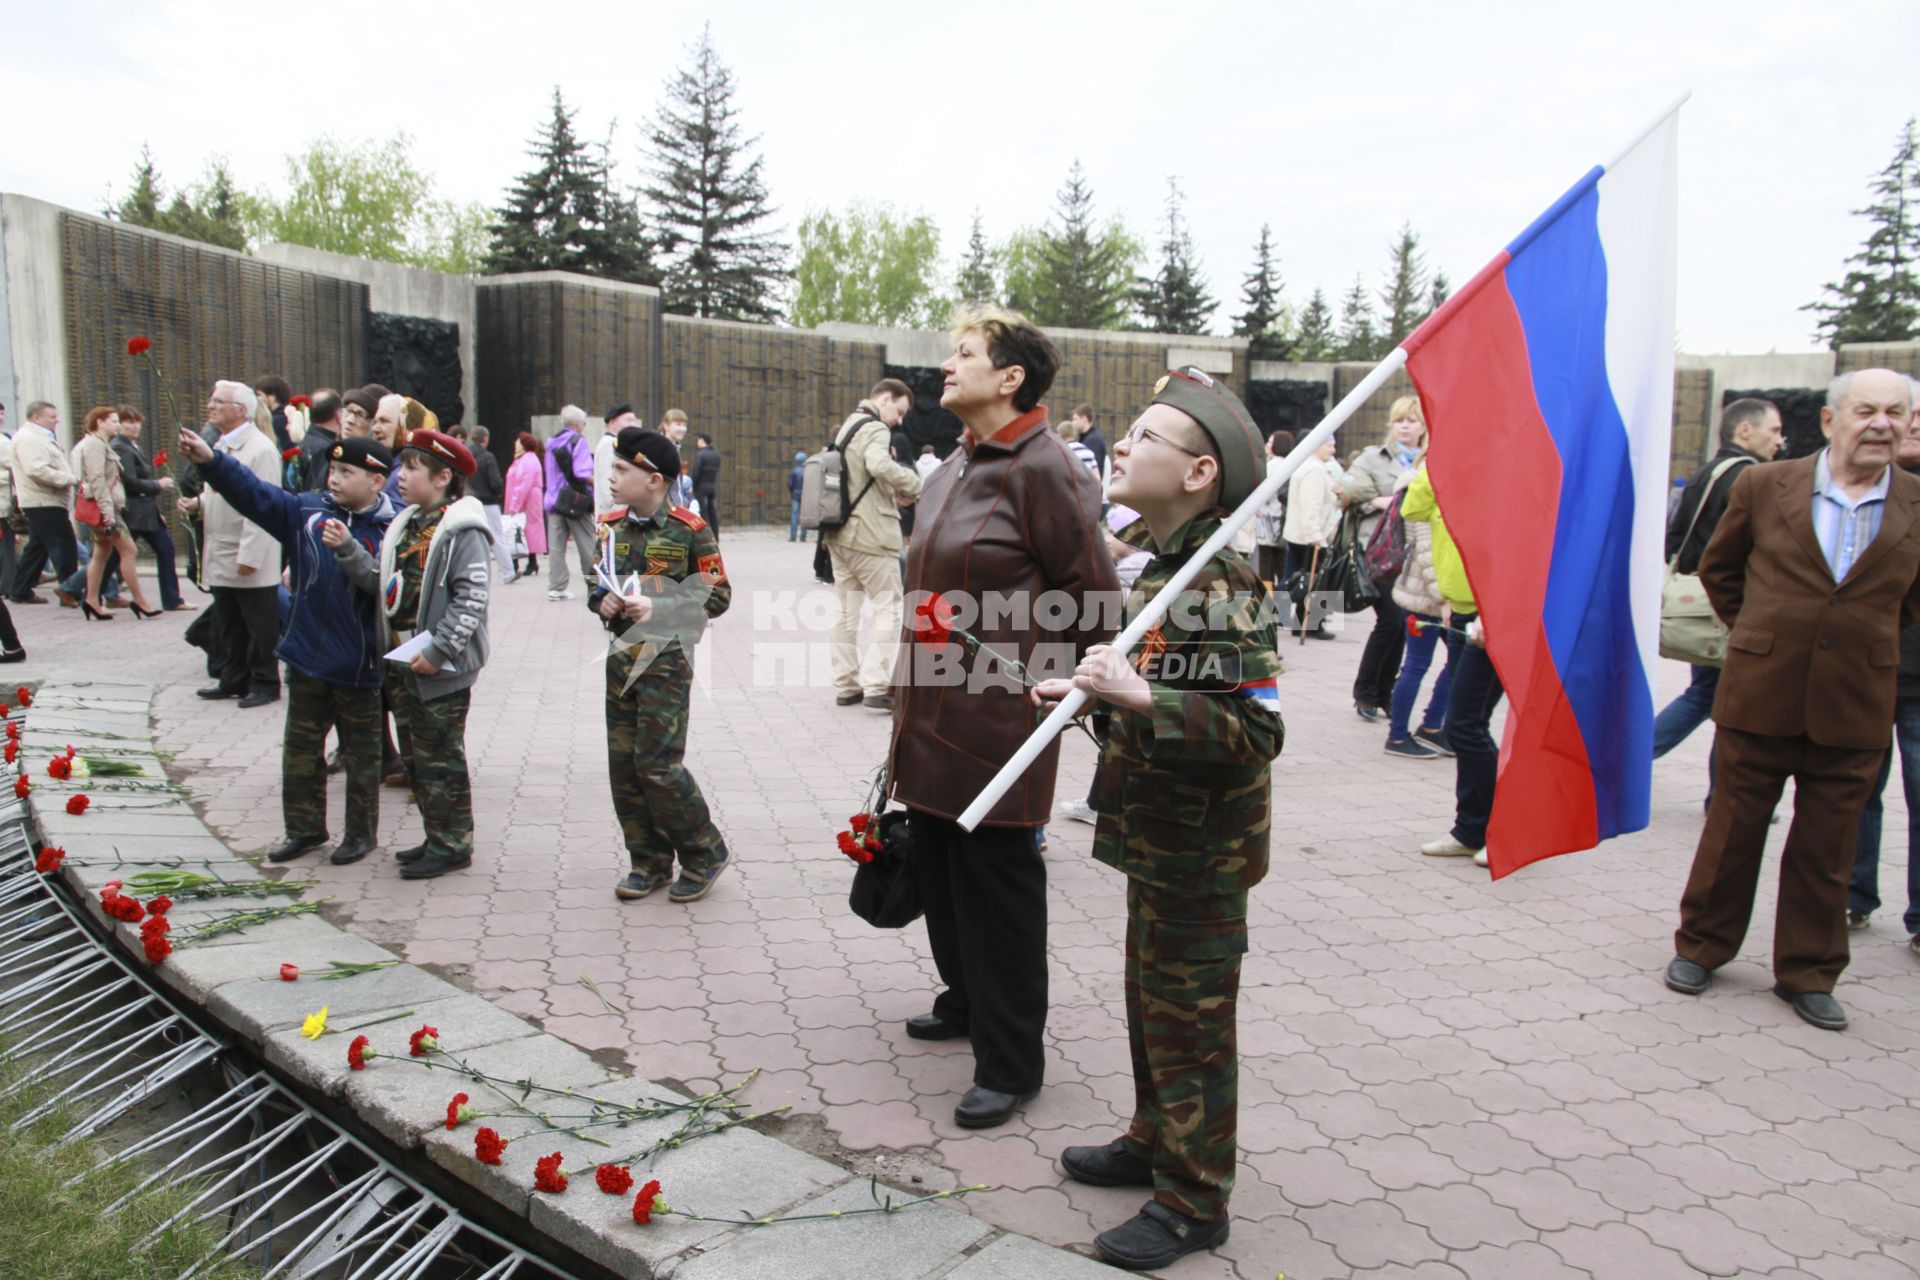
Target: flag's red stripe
1497	475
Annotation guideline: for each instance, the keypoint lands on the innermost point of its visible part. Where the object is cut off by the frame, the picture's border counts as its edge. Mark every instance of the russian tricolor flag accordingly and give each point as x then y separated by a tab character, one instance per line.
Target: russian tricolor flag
1548	388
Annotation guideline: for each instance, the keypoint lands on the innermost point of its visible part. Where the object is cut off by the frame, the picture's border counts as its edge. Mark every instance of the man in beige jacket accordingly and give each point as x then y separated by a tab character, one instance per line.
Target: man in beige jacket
866	550
240	561
43	491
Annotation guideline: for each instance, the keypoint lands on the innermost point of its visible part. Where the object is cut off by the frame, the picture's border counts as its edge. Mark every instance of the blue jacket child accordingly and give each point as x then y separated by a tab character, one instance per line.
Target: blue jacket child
330	632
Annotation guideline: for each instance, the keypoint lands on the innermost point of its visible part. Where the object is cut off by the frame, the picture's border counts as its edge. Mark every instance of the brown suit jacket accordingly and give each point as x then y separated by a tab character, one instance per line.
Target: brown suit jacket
1806	655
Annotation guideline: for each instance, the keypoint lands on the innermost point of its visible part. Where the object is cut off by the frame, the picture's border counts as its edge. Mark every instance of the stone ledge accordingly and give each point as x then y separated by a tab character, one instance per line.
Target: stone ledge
234	978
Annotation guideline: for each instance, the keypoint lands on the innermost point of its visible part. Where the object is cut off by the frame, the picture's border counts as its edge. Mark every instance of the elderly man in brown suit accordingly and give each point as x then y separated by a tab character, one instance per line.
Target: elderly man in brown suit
1815	567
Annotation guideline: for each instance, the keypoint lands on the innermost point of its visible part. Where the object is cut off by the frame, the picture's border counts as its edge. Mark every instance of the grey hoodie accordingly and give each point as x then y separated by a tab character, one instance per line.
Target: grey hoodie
453	590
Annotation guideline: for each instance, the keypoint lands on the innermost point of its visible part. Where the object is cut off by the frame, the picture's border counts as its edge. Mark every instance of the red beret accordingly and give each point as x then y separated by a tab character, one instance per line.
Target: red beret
441	446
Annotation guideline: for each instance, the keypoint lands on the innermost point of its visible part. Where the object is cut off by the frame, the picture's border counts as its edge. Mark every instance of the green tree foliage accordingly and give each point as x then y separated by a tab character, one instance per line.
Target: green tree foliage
1263	320
1175	298
1074	274
1878	300
1404	300
710	202
1439	291
869	265
371	199
1315	339
566	213
1358	339
976	284
213	210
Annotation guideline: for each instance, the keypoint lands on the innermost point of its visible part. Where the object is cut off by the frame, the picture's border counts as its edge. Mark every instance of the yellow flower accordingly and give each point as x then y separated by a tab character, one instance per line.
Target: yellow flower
315	1024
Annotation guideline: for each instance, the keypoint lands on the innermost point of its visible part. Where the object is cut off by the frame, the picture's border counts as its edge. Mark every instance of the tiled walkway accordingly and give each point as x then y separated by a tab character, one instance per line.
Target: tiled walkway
1442	1077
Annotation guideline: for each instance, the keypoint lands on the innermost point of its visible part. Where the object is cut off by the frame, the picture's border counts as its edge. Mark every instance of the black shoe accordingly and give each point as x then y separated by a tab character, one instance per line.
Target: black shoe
638	885
293	846
429	865
215	692
13	655
1157	1237
1817	1007
985	1108
1365	712
847	699
253	700
1110	1166
350	851
1435	738
931	1026
414	854
1688	978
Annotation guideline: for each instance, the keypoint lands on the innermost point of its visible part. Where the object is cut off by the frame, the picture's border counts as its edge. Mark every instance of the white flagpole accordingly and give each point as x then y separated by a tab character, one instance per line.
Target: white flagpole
1157	607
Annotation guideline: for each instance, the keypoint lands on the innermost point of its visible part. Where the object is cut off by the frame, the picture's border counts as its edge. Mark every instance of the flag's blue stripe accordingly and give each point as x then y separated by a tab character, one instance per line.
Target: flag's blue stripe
1578	192
1559	287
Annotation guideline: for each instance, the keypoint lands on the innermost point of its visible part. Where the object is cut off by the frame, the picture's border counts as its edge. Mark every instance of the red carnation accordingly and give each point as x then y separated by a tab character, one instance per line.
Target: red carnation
357	1053
160	458
548	1176
153	924
21	786
76	805
458	1110
423	1042
60	767
289	972
614	1179
120	907
159	906
290	454
13	730
5	713
50	859
303	402
643	1204
24	696
488	1146
156	946
139	345
13	751
932	621
1414	626
860	822
847	844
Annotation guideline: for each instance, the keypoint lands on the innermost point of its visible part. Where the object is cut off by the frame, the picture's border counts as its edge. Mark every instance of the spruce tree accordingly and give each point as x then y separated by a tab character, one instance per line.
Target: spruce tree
1262	320
1879	298
1087	274
1358	339
141	206
975	284
1439	292
1315	339
212	211
709	200
565	213
1175	298
1403	301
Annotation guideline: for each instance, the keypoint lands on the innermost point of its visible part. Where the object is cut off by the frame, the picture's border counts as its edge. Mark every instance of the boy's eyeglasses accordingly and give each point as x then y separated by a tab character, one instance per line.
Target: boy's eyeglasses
1134	437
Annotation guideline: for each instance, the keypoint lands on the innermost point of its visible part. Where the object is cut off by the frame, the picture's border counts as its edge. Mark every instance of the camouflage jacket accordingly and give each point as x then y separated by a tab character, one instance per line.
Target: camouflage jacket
678	562
1185	792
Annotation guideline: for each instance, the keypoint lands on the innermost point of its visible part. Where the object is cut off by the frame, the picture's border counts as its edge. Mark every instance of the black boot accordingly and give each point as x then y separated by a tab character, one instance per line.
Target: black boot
1157	1237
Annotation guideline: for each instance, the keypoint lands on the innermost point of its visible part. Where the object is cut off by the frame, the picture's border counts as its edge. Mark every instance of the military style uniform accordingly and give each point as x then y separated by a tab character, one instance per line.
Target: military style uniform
433	732
1184	801
650	683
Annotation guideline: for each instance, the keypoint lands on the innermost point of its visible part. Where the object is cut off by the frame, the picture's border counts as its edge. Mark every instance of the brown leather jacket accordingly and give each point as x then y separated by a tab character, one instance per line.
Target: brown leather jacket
1807	656
1012	526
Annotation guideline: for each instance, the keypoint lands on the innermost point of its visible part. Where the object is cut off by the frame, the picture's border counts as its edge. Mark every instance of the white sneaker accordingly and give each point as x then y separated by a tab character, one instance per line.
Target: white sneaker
1480	858
559	595
1080	811
1446	847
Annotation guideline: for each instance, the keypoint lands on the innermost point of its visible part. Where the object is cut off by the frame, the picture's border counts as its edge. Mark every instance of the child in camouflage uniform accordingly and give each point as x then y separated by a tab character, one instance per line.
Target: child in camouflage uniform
663	565
1183	810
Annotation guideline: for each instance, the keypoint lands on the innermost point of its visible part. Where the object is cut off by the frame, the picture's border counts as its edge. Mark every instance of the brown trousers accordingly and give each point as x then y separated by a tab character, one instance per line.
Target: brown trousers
1831	785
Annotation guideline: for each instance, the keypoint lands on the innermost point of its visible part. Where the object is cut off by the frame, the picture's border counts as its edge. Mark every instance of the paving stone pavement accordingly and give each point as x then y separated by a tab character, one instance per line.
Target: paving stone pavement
1441	1076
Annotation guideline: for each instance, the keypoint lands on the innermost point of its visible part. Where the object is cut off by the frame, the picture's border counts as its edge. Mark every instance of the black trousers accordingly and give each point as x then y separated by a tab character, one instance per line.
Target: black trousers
1380	660
985	897
247	620
709	502
9	557
49	538
1472	696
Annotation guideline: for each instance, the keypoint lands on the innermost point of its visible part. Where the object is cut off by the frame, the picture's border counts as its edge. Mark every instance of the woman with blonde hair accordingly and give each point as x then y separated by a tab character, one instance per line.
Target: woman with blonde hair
1368	488
99	501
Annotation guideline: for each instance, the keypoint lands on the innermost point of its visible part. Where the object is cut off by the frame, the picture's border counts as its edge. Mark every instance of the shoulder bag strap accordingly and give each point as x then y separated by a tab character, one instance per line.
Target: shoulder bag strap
1713	478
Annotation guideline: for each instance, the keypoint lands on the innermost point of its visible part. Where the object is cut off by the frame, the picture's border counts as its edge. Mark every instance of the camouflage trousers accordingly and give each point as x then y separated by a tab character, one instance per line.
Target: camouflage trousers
660	808
1183	975
313	707
436	736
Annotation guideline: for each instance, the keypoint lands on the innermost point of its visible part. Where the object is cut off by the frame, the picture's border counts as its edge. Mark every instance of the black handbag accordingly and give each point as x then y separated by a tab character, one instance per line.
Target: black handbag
1343	572
884	893
573	501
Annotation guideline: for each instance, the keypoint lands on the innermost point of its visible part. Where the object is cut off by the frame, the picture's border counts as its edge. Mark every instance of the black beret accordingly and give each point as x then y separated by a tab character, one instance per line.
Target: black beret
617	410
365	453
644	447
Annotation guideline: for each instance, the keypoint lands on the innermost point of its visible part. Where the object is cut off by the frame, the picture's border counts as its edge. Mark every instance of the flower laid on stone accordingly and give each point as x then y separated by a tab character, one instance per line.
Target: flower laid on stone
194	884
289	972
49	859
647	1201
458	1112
122	907
315	1024
423	1042
488	1146
23	696
21	786
614	1179
548	1176
234	921
153	938
13	751
159	906
61	766
358	1052
337	969
76	805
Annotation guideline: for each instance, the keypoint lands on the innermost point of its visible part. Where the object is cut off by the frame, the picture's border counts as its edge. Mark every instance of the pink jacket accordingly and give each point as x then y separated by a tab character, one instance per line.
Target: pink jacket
526	490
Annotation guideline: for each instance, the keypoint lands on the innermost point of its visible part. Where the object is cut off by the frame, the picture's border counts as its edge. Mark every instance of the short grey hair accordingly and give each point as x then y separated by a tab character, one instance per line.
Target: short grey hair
479	435
39	407
1837	389
241	394
573	416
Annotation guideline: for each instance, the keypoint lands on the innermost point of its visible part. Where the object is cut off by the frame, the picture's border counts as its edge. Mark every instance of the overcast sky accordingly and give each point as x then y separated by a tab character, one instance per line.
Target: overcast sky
1333	122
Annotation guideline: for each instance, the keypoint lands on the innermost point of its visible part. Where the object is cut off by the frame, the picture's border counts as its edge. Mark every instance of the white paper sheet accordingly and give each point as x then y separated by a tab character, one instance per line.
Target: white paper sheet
411	649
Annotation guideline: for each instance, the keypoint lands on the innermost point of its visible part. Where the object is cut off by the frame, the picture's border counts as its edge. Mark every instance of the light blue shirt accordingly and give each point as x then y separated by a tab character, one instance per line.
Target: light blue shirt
1845	526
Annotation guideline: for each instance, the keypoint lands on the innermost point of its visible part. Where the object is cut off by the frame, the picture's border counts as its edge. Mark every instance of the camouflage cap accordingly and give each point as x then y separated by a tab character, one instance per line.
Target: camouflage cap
1226	421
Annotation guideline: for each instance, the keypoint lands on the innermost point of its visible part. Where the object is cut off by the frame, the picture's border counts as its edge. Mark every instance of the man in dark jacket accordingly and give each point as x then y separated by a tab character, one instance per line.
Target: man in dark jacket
278	393
323	432
1749	432
331	639
706	481
146	487
1863	894
490	489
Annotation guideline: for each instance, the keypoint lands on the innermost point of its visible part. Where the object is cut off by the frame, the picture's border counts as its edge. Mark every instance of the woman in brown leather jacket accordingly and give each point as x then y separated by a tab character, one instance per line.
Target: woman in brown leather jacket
1008	535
